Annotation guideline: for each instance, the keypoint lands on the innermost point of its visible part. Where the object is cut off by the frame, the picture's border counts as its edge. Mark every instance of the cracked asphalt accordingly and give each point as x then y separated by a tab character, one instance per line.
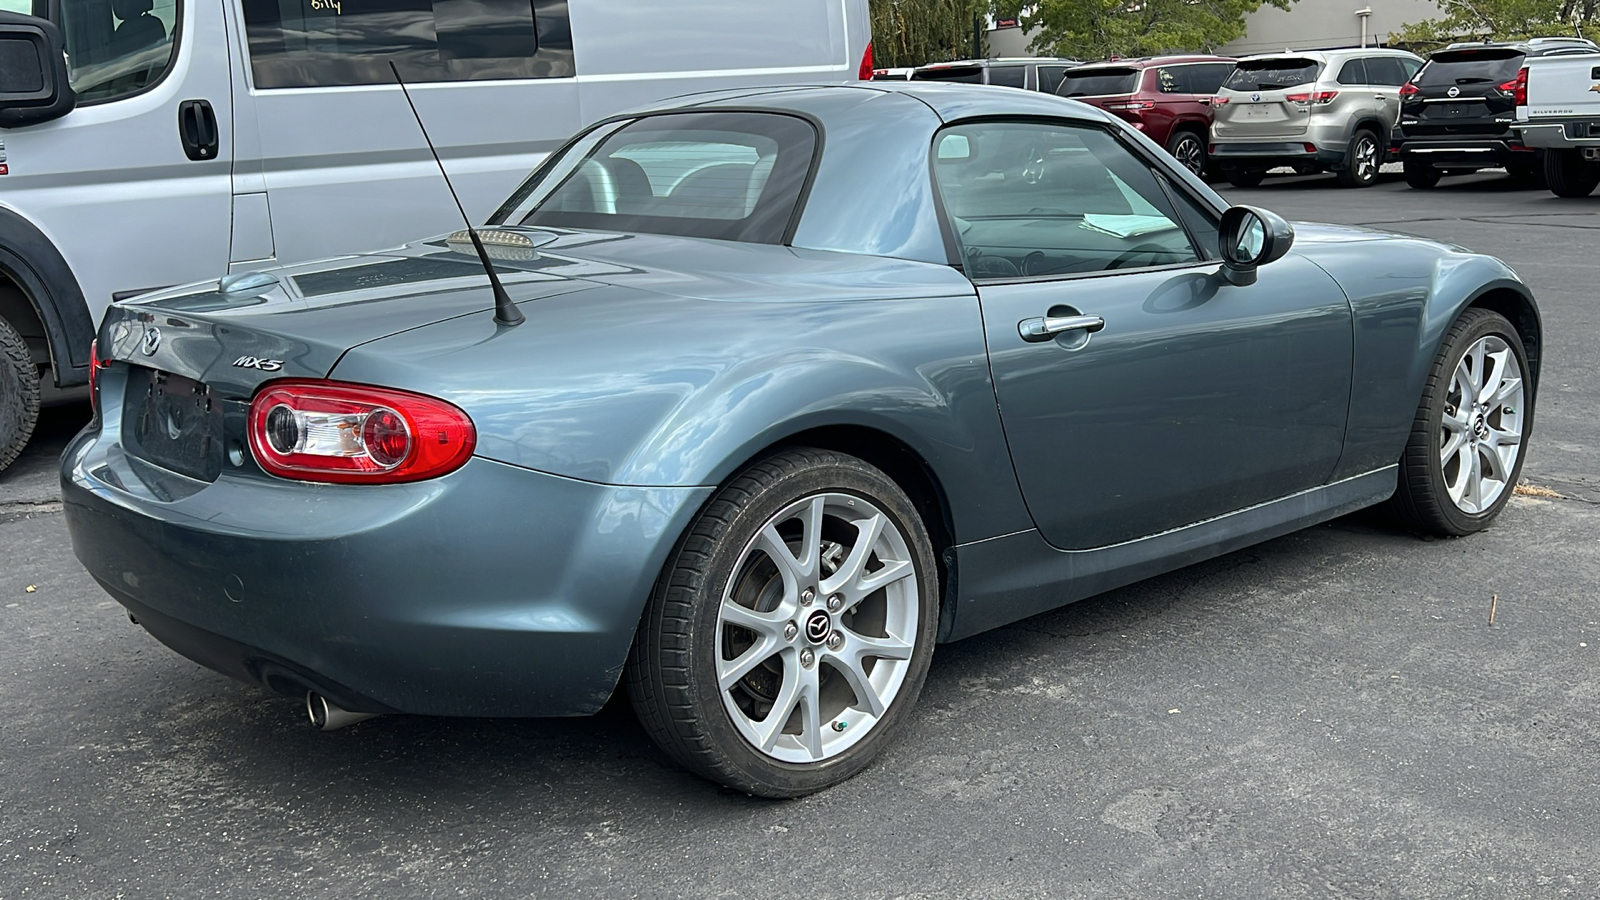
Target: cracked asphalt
1330	714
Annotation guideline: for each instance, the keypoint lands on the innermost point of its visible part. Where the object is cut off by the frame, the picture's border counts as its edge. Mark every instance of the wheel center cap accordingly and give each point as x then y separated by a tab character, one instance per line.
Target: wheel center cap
1480	427
818	627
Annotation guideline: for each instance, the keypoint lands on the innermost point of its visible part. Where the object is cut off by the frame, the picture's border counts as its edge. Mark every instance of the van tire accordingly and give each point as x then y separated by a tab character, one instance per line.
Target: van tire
19	394
1569	174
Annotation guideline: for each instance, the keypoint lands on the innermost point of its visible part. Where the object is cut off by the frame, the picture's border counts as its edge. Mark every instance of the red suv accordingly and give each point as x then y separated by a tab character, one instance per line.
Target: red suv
1166	97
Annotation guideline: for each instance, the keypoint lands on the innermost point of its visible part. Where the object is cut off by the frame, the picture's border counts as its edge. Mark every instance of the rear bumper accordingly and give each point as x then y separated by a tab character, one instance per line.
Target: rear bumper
1571	135
1465	154
1274	153
493	591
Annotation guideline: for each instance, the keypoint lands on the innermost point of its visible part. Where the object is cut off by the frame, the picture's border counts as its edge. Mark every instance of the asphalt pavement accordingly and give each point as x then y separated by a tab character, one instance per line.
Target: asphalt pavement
1331	714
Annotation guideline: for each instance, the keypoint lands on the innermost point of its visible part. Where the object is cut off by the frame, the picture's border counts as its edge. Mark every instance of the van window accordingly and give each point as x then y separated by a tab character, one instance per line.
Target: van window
116	48
321	43
722	175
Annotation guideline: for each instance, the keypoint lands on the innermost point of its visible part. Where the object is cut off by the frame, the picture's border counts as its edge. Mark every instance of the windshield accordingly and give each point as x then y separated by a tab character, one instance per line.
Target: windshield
729	176
1495	66
1272	74
1095	82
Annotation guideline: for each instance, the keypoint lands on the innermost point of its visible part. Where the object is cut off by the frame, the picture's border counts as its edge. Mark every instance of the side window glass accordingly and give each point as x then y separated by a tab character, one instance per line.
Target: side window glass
1386	70
1050	78
1201	221
1410	67
1354	72
119	48
1208	79
1169	80
1008	76
320	43
1028	199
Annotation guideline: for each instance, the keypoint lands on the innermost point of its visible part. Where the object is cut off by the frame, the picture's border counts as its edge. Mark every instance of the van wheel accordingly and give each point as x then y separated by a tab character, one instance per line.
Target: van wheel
19	394
1244	178
1361	160
1189	150
792	629
1569	174
1421	175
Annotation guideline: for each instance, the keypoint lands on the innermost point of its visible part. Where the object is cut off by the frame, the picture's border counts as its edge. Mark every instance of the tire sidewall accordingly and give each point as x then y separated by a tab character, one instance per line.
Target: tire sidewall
19	395
1484	324
852	478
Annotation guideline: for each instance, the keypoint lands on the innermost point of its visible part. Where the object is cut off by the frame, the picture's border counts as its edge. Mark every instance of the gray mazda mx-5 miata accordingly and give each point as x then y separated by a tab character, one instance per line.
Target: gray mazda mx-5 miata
810	380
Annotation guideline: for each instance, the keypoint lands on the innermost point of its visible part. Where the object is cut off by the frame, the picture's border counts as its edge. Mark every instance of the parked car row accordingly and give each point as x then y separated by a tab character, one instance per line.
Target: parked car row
1345	112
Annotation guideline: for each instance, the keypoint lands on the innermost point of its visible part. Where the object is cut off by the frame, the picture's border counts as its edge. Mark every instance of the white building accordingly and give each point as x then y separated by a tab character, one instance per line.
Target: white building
1307	25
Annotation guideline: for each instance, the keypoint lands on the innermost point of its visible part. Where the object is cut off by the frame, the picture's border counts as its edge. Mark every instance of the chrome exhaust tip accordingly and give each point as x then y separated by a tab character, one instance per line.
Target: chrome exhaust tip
325	716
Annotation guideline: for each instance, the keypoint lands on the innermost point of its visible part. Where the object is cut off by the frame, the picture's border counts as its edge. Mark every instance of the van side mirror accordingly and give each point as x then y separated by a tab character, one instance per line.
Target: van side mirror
33	72
1249	239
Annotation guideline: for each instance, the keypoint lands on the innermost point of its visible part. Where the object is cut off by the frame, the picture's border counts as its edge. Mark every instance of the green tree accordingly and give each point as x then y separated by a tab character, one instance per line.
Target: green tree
1503	20
1095	29
916	32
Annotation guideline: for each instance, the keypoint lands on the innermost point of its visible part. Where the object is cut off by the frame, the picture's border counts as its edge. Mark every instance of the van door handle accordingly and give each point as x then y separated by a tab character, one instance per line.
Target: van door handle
1045	328
197	128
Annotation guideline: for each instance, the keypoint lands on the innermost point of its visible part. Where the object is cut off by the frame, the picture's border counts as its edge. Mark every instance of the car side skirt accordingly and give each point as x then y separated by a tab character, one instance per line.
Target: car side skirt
1014	576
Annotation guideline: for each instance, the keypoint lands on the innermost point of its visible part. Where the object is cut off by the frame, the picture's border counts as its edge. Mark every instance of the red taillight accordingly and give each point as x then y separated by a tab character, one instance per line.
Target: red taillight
354	434
1320	98
95	365
865	72
1219	101
1310	148
1408	89
1133	104
1518	87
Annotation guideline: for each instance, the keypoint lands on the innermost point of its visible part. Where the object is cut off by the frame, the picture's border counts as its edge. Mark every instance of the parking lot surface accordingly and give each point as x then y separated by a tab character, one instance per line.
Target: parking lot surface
1331	714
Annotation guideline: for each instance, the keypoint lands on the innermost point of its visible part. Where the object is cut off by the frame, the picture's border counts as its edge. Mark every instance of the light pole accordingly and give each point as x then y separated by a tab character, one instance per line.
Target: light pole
1364	15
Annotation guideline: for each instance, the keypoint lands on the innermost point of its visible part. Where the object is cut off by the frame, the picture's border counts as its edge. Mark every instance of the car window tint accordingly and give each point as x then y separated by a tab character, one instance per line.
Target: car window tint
1050	78
1353	72
1098	81
728	176
115	49
1008	76
1490	66
1409	67
1208	78
1272	74
318	43
1386	70
1036	199
1171	80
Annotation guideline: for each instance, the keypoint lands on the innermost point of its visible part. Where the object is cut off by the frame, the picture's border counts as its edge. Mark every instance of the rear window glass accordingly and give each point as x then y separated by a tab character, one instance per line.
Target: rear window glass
1471	67
728	176
1095	82
1272	74
967	74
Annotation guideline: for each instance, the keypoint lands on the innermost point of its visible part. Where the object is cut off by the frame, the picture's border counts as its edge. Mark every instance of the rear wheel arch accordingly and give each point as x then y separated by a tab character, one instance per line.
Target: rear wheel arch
45	290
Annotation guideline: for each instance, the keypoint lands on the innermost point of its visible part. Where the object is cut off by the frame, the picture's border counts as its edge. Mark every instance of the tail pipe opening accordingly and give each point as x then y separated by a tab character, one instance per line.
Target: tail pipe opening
325	716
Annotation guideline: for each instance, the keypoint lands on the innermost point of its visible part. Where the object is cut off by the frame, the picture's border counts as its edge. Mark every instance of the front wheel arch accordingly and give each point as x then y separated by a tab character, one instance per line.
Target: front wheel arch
31	261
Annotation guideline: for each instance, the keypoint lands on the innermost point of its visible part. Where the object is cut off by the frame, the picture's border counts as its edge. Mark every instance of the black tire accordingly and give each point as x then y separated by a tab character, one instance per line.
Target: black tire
1244	178
672	668
1421	175
1362	158
19	395
1569	174
1189	149
1529	174
1422	499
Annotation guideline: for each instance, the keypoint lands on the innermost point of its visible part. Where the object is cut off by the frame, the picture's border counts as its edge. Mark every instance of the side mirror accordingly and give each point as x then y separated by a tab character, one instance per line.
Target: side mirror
33	72
1250	238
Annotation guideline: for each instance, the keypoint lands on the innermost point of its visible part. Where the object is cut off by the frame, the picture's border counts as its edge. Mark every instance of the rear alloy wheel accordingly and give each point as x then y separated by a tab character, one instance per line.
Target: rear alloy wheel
1244	178
1421	175
792	631
1465	452
1189	149
1361	160
1569	174
19	394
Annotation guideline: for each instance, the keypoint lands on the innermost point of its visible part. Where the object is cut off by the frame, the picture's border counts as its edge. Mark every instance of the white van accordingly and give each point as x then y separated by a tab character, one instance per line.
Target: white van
185	138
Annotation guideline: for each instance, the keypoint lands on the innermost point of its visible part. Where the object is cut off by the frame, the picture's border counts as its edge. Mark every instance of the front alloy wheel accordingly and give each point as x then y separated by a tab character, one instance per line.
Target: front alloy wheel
1465	451
794	628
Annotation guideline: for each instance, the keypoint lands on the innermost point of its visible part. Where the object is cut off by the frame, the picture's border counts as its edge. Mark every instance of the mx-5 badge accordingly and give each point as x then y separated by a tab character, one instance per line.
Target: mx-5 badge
255	362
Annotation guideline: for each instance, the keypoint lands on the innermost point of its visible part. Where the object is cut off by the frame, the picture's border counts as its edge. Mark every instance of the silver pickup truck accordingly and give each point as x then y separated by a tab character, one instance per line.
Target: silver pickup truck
1558	109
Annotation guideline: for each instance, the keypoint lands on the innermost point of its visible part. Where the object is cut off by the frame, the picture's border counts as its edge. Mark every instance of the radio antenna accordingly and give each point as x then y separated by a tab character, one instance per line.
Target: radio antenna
505	312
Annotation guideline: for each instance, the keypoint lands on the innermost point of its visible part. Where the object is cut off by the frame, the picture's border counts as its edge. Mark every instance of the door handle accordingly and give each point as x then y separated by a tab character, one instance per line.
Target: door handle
197	128
1046	328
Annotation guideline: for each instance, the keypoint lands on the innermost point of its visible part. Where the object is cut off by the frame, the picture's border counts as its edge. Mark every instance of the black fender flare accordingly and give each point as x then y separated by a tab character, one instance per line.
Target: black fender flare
33	262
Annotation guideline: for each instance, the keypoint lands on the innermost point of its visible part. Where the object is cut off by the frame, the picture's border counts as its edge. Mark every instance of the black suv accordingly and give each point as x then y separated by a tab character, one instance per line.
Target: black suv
1457	113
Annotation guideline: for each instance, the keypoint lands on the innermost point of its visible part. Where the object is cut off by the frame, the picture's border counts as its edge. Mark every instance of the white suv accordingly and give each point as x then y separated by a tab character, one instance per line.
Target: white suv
1318	111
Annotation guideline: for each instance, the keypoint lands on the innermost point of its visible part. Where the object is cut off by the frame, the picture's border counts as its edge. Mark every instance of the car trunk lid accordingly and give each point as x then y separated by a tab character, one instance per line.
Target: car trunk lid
1463	93
1257	98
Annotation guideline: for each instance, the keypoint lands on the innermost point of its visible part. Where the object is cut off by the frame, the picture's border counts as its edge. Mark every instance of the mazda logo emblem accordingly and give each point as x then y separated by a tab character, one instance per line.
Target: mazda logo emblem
818	628
151	341
1454	92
